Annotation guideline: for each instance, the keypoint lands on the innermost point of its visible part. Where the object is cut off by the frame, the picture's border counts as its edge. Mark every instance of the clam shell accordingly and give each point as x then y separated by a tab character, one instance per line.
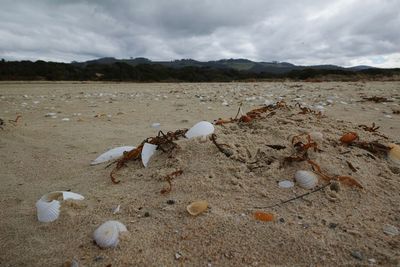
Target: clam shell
197	207
306	179
202	128
394	153
111	154
107	234
48	206
147	152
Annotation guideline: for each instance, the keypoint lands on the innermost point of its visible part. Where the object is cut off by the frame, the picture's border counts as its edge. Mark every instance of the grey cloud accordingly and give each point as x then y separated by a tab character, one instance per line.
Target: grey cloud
302	32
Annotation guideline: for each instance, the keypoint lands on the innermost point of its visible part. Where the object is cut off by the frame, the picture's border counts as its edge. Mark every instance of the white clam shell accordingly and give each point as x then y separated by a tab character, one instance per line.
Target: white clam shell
147	152
111	154
306	179
107	234
48	206
202	128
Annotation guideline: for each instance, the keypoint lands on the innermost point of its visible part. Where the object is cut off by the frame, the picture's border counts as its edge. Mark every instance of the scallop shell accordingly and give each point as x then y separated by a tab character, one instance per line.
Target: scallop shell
111	154
306	179
197	207
147	152
394	153
107	234
48	206
202	128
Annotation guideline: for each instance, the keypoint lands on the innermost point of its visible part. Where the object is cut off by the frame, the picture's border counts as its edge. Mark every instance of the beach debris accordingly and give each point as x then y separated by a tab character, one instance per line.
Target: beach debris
2	124
276	147
318	136
306	110
107	234
373	147
65	119
376	99
164	142
156	125
263	216
372	128
48	206
112	154
197	207
15	121
147	152
73	263
200	129
394	153
357	255
306	179
285	184
169	178
390	230
50	114
349	137
352	168
301	153
227	152
116	209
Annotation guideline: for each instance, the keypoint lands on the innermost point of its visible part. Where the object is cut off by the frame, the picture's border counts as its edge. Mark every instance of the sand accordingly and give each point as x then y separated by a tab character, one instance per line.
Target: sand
46	152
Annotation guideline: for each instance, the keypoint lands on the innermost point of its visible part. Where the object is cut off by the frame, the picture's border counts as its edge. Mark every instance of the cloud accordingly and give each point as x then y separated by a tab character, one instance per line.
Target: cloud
342	32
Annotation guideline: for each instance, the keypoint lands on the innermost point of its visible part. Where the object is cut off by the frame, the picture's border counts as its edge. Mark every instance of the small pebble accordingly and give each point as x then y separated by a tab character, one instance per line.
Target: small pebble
390	230
332	225
282	220
372	261
178	256
357	254
146	214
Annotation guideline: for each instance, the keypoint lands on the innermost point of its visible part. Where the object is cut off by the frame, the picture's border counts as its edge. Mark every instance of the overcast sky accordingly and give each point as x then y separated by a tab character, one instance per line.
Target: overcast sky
342	32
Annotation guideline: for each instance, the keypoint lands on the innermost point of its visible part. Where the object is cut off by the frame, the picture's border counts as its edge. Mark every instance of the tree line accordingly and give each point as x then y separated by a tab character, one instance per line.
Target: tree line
120	71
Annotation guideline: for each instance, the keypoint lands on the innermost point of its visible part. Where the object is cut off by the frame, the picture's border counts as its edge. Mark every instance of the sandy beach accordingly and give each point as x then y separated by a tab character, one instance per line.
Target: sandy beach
64	126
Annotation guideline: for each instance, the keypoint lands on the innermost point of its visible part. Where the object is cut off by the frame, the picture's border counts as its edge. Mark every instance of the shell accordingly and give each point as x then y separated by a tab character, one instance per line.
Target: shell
107	234
111	154
394	153
265	217
200	129
316	136
147	152
390	230
48	206
348	138
197	207
285	184
306	179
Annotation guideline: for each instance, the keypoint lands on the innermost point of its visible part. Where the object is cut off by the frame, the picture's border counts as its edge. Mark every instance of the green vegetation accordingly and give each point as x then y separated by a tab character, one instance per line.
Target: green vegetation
182	71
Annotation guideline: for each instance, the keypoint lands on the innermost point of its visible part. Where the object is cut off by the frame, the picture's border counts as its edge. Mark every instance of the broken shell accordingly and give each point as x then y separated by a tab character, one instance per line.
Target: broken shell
390	230
316	136
107	234
48	206
147	152
394	153
197	207
202	128
285	184
112	154
306	179
348	138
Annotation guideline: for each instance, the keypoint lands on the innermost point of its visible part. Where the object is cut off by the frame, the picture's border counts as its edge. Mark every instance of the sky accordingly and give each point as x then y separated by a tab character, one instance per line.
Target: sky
303	32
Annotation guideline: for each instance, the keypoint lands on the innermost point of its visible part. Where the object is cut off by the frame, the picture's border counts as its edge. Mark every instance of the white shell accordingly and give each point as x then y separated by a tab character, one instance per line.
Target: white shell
306	179
147	152
112	154
285	184
48	206
202	128
316	136
107	234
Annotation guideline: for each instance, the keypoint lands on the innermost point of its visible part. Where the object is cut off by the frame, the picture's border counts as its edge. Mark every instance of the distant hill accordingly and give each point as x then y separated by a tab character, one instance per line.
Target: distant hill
273	67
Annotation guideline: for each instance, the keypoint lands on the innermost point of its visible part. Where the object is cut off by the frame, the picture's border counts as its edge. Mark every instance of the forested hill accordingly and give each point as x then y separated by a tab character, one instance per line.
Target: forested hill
144	70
